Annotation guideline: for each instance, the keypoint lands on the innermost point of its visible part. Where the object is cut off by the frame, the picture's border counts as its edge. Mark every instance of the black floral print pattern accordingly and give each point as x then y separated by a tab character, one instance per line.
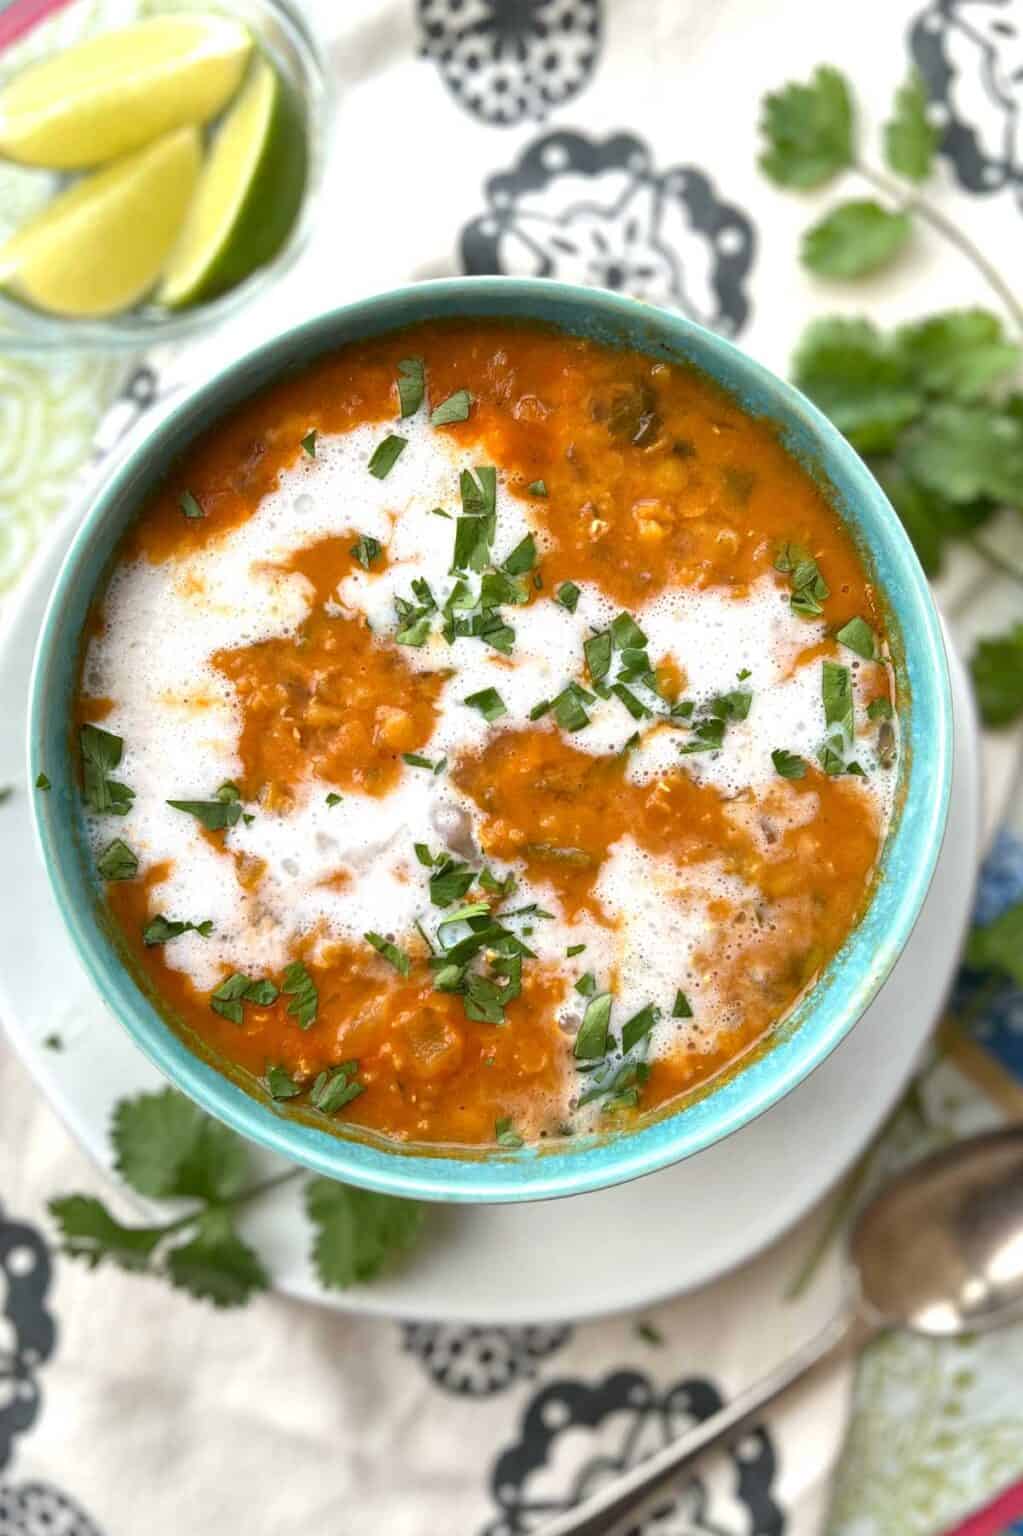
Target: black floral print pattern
508	60
477	1362
592	1433
597	212
27	1330
970	54
36	1509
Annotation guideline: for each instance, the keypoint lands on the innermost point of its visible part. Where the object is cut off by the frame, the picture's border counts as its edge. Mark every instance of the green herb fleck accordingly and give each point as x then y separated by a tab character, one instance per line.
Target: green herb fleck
386	454
489	703
309	443
454	408
858	636
505	1133
160	929
189	506
568	596
681	1008
300	987
42	782
411	385
280	1083
117	862
787	764
538	488
366	550
591	1041
396	957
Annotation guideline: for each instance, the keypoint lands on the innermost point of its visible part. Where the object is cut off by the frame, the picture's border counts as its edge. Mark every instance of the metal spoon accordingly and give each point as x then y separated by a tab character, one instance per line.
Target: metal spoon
939	1251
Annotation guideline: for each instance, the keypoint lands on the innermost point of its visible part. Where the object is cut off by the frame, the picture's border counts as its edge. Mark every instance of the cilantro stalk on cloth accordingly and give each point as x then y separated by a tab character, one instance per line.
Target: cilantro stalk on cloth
166	1148
930	403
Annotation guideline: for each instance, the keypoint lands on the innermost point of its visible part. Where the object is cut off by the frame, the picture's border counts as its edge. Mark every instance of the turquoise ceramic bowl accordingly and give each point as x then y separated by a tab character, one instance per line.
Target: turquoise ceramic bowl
824	1016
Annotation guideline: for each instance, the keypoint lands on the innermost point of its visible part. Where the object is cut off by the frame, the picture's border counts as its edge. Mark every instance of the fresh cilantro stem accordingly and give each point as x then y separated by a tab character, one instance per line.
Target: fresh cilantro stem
912	202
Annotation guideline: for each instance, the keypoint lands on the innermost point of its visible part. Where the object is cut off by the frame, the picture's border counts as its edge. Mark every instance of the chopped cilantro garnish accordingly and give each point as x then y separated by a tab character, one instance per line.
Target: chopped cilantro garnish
117	862
366	550
591	1041
505	1133
597	650
215	815
541	709
858	636
568	709
636	708
411	385
788	765
836	693
879	709
332	1090
568	596
101	752
424	855
681	1008
160	929
237	989
489	703
189	506
639	1026
300	987
522	557
626	633
397	957
309	443
416	760
574	949
809	589
538	488
280	1083
333	798
454	408
707	736
586	985
386	454
42	782
731	706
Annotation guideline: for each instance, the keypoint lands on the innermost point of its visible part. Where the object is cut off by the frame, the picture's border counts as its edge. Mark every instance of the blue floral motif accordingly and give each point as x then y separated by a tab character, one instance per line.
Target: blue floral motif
970	54
994	1008
478	1362
27	1330
508	60
36	1509
576	1436
598	212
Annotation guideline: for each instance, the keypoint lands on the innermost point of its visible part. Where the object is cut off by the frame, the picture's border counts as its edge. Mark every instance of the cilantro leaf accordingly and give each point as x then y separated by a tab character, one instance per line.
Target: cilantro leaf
101	752
42	782
967	452
591	1041
366	550
489	703
681	1008
215	815
332	1090
390	952
165	1147
454	408
522	557
309	443
386	454
957	354
160	929
300	987
910	140
279	1082
568	596
788	765
639	1026
411	385
88	1231
836	694
215	1265
117	861
858	636
357	1232
808	131
852	372
999	945
997	667
505	1133
855	238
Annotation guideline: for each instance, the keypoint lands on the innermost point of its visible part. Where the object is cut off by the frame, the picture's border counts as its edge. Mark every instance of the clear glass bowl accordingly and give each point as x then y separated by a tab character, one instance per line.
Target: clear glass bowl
284	32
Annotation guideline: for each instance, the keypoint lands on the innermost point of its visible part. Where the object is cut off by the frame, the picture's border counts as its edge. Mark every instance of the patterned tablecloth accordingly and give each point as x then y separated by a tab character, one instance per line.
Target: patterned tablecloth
609	141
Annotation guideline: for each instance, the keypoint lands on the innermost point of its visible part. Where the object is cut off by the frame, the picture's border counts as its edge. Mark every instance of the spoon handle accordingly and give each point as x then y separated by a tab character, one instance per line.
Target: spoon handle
599	1515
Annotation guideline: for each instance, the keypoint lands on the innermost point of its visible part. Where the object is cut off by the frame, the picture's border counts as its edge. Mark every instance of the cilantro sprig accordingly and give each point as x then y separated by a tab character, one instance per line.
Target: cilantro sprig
927	403
168	1149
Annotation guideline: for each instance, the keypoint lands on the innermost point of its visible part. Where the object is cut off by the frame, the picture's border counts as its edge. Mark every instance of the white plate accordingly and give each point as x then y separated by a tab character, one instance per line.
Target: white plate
566	1259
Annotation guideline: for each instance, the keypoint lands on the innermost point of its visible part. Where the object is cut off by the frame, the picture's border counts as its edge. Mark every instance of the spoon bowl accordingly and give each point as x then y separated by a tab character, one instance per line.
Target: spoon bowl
940	1249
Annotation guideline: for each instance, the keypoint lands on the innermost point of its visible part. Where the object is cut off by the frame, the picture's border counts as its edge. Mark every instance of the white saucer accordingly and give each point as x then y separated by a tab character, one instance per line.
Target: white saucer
514	1264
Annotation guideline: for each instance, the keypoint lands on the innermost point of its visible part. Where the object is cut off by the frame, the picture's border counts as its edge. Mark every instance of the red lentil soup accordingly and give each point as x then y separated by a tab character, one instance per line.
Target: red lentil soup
487	736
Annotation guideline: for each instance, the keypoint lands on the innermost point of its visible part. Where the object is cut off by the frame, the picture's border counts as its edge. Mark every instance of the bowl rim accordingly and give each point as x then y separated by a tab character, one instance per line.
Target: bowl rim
850	981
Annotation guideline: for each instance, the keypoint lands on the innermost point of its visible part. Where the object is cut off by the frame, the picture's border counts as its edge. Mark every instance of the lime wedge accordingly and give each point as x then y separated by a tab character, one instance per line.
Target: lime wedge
113	93
249	193
99	246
